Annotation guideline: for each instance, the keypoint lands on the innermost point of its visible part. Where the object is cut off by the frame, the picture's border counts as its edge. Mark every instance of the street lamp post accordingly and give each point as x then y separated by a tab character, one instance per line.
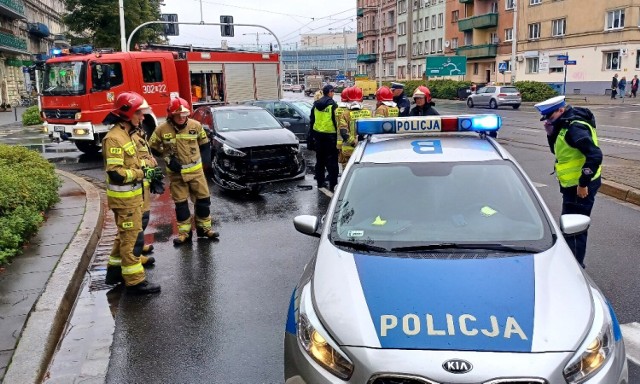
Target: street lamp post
514	41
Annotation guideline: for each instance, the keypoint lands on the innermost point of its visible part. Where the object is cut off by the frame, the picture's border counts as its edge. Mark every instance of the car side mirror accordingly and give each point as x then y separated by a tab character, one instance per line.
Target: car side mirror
572	224
297	117
307	224
286	124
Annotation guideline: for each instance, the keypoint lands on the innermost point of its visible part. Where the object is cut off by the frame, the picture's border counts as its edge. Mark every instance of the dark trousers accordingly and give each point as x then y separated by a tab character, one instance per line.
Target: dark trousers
326	158
614	92
571	203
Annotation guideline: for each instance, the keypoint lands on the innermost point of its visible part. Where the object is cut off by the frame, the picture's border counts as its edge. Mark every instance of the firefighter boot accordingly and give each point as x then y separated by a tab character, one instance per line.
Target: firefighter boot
207	233
143	288
114	275
182	238
147	261
147	249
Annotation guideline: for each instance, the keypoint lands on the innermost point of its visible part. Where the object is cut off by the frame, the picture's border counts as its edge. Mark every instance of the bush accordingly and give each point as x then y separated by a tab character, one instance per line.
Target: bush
440	89
28	187
31	116
535	91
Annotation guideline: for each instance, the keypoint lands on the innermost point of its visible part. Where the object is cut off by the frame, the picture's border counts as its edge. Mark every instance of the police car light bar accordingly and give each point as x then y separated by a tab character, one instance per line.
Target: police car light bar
428	124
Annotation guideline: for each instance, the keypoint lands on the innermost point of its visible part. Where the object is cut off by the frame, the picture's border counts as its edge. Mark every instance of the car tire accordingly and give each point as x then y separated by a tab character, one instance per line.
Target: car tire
516	106
470	103
493	104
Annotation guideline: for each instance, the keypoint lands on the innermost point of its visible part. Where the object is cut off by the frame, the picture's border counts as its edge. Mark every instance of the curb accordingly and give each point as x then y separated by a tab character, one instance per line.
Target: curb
621	192
47	320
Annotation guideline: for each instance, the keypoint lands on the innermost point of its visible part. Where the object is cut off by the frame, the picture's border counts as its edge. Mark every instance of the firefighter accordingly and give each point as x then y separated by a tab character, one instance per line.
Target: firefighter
385	106
424	104
343	105
184	146
125	177
347	124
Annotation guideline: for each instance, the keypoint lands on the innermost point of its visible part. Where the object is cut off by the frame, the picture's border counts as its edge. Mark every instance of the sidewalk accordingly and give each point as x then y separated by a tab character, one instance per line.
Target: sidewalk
38	290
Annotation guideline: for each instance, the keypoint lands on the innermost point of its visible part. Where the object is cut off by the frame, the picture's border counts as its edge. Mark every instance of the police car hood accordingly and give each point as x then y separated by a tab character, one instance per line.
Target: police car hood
259	137
520	303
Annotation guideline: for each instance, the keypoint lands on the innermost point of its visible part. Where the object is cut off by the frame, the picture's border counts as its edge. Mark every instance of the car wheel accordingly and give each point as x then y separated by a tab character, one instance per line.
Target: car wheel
470	102
493	104
516	106
87	146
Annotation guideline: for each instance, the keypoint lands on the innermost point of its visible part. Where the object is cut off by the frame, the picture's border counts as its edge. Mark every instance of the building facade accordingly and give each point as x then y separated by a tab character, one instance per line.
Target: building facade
328	40
27	29
324	61
602	38
377	38
423	32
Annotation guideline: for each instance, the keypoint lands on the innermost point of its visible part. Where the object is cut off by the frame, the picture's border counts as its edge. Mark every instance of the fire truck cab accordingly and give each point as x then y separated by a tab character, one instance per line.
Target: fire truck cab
78	90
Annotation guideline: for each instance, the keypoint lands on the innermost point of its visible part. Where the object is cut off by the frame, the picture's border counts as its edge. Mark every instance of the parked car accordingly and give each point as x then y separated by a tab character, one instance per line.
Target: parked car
286	87
495	96
249	147
294	112
296	88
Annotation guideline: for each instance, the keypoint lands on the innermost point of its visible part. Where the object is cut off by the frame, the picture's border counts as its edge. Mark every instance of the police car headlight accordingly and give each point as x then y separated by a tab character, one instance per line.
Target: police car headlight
230	151
599	344
317	342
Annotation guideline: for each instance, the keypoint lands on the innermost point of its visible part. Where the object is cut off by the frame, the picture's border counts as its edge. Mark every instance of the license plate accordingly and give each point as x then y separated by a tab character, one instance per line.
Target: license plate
58	128
418	124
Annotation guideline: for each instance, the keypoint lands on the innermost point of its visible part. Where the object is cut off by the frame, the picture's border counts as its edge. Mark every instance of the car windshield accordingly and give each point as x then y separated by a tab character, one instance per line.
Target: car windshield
508	90
421	205
243	120
65	78
304	106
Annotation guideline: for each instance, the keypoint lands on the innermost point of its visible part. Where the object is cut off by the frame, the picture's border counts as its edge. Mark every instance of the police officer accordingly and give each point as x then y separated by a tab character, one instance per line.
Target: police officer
347	124
424	105
323	131
184	145
125	177
572	137
401	100
385	106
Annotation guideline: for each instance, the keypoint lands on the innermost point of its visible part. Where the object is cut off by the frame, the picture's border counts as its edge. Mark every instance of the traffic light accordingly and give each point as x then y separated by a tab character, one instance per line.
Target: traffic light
226	30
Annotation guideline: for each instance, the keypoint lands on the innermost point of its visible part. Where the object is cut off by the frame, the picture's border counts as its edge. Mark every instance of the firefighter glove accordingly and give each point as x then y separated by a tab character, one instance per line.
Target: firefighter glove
156	187
153	173
173	164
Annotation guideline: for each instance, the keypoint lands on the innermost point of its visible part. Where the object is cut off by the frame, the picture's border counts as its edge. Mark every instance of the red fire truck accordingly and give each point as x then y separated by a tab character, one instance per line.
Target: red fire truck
78	90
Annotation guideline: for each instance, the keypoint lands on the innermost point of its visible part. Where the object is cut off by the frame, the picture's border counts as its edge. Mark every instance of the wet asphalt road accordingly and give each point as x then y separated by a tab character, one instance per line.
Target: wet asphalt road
221	314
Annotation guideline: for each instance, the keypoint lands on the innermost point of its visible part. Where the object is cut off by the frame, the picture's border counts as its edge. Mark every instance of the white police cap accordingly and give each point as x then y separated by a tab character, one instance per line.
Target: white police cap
549	106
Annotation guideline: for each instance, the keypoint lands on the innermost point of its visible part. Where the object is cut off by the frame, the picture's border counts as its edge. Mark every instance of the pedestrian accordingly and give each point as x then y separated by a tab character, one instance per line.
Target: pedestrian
622	84
424	104
401	100
634	86
125	176
347	124
385	106
184	146
614	86
323	130
571	133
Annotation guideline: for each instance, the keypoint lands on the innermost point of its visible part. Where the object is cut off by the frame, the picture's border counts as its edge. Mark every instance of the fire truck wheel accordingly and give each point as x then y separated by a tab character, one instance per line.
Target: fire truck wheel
88	147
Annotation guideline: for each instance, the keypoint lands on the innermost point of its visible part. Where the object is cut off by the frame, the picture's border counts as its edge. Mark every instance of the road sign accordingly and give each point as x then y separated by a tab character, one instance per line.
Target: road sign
446	66
570	62
562	57
502	67
341	77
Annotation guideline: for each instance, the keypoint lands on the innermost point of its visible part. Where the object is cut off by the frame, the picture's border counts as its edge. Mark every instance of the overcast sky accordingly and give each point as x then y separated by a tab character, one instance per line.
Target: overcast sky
286	18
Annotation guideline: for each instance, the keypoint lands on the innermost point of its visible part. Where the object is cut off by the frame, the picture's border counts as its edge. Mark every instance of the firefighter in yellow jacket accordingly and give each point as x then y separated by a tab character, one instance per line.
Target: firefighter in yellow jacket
348	136
385	106
125	177
184	146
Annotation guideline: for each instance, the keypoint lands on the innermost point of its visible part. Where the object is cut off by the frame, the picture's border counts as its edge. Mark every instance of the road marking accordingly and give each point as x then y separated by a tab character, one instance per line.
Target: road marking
631	334
621	142
617	126
529	130
326	192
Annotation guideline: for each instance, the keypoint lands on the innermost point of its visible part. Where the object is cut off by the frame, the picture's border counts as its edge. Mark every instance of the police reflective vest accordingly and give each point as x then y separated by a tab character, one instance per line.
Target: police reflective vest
354	114
569	160
323	121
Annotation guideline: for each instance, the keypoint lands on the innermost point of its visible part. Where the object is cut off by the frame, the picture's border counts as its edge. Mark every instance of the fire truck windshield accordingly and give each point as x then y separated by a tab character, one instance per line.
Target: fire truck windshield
65	78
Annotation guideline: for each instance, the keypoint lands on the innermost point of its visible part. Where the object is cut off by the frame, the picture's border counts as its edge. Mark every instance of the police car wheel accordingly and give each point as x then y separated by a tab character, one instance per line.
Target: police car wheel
493	104
470	103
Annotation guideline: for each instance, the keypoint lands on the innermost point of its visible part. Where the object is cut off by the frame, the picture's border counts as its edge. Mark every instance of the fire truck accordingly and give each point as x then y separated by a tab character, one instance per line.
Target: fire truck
79	86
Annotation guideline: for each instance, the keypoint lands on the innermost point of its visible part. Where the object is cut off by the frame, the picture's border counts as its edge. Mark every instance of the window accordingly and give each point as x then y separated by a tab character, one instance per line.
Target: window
105	76
555	65
433	45
612	61
414	49
440	44
402	50
420	73
494	38
415	26
391	71
420	48
638	59
440	20
433	22
402	28
494	7
426	23
420	25
534	2
508	34
532	65
284	110
455	15
468	38
475	68
534	31
510	4
615	19
559	27
152	72
402	6
454	43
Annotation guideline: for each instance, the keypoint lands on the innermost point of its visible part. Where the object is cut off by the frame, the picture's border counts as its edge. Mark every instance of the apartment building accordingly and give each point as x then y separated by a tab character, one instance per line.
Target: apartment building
602	37
27	31
377	38
481	30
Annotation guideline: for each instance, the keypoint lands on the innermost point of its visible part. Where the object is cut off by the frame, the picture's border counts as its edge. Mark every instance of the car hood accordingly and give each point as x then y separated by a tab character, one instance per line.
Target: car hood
258	137
526	303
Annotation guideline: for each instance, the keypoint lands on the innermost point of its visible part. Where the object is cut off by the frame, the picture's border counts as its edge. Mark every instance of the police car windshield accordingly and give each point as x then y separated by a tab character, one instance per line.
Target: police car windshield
398	206
65	78
244	119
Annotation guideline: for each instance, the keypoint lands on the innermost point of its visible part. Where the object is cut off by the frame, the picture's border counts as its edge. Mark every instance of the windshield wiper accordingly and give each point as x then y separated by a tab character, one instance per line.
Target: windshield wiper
360	246
481	246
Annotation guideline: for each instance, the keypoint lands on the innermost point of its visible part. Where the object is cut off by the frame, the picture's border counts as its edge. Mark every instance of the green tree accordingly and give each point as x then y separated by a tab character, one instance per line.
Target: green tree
97	21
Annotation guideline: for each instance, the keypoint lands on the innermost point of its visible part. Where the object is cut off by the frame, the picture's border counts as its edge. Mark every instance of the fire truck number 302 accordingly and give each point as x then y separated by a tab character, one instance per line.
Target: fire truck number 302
155	88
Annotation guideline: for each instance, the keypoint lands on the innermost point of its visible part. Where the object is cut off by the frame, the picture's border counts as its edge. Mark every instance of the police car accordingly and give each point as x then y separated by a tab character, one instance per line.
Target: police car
438	262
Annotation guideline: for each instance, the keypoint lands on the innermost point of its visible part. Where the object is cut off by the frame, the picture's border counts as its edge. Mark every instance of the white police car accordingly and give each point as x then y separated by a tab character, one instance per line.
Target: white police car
439	262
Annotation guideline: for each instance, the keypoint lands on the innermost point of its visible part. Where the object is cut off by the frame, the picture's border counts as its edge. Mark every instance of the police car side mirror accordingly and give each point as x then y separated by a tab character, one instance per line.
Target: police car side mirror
572	224
286	124
307	224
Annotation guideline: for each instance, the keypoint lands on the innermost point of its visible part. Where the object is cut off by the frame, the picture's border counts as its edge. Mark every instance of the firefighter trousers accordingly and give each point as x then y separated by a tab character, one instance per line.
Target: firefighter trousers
195	187
128	244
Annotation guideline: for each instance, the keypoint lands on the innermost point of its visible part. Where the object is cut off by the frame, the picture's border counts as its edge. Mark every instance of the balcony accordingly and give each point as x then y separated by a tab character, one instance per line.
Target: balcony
360	12
367	58
488	20
11	43
12	8
360	35
478	51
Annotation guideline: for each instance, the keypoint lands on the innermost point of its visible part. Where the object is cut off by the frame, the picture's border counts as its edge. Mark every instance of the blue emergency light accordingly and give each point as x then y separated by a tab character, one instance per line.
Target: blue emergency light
429	124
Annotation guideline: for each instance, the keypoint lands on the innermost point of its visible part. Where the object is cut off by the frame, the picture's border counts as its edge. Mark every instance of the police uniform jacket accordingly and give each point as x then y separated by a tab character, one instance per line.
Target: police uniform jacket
404	105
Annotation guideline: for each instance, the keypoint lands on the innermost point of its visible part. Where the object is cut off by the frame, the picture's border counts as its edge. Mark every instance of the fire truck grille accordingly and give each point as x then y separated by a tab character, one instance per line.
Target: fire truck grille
63	114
